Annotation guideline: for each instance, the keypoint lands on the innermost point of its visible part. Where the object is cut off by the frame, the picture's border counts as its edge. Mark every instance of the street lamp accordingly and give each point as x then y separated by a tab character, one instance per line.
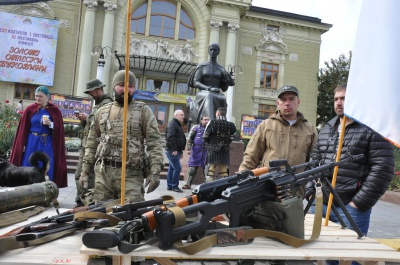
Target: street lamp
232	69
229	97
102	53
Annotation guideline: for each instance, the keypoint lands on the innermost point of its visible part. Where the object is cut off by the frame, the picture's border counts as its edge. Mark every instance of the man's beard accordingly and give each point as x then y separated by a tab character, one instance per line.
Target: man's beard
120	99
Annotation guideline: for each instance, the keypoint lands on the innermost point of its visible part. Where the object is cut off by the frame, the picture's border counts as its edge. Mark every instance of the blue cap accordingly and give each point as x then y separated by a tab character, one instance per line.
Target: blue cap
44	90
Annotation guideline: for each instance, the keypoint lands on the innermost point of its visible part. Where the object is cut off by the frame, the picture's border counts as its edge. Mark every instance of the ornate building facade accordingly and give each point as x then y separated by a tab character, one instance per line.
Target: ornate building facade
263	48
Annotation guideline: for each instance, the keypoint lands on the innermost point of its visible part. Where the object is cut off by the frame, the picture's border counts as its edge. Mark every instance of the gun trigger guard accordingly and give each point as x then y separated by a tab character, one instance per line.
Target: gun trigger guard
318	188
231	236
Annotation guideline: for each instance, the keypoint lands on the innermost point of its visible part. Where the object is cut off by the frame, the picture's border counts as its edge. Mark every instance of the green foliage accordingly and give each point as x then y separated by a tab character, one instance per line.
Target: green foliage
8	127
71	130
72	144
395	185
335	72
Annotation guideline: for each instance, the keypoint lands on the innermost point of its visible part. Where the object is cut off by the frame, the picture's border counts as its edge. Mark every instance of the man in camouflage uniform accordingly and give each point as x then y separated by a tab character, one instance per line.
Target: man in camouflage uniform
104	147
95	89
218	135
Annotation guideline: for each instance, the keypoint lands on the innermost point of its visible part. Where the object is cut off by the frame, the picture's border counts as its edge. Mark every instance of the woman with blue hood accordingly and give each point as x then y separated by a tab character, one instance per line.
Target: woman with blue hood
41	128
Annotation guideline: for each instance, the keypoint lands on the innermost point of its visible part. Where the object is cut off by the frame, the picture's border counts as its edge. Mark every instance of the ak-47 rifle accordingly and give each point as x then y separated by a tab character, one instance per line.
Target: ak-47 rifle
235	200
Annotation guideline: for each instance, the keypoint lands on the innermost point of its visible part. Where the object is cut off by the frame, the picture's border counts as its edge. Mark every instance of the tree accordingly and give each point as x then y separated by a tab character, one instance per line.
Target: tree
335	72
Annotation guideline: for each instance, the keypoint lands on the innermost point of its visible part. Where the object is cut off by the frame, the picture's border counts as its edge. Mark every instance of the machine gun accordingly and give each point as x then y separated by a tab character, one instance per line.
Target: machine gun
235	200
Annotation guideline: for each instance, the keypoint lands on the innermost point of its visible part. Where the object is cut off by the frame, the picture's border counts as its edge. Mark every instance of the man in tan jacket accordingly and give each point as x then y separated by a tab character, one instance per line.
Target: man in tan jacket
284	135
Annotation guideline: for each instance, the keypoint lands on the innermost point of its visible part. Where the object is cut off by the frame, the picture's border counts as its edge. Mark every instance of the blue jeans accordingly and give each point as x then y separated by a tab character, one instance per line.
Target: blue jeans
174	169
360	218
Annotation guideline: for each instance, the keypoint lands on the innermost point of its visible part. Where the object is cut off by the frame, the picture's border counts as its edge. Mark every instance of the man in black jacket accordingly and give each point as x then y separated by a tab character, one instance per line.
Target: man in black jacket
361	183
176	143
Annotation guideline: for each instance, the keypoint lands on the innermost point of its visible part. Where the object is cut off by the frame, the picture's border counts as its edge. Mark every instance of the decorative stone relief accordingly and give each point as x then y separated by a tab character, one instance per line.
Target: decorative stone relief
272	41
39	9
233	27
162	49
110	7
268	93
215	25
293	57
64	23
91	4
270	56
247	50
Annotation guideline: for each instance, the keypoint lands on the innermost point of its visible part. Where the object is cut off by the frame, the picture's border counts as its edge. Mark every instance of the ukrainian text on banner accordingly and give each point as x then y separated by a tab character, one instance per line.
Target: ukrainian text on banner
162	97
28	49
373	87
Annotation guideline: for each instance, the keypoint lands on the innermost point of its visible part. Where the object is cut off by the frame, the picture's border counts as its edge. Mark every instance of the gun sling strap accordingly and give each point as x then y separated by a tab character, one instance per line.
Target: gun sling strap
243	235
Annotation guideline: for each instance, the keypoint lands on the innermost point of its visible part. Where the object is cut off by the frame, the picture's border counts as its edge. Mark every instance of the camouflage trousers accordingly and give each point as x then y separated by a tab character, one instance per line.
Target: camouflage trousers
79	188
108	183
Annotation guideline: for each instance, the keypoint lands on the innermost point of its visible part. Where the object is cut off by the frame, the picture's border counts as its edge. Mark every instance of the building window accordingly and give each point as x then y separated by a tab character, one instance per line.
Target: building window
265	110
157	85
138	20
183	88
25	91
162	21
269	75
186	27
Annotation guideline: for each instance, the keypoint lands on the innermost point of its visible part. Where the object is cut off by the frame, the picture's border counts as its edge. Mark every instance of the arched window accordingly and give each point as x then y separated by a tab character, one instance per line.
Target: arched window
186	28
163	21
138	19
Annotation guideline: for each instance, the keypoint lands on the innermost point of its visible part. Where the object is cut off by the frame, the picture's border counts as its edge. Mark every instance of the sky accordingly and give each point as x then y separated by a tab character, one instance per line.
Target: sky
341	14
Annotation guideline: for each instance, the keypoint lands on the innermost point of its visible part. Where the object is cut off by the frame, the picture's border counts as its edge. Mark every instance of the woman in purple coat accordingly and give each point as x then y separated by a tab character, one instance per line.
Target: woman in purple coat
197	150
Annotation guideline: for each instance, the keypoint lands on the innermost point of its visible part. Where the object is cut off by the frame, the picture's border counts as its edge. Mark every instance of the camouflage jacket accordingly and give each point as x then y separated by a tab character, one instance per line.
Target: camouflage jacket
104	99
105	137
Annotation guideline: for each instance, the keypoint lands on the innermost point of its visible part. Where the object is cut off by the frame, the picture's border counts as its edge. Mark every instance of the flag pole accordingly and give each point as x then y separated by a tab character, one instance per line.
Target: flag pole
335	170
126	95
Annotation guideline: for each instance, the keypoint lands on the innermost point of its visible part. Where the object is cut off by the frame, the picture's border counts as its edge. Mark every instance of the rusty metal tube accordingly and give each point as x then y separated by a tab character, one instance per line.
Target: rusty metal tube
12	198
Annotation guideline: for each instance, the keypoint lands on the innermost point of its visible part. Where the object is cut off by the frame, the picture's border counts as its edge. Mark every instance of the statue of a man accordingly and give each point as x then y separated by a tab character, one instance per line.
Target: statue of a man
210	78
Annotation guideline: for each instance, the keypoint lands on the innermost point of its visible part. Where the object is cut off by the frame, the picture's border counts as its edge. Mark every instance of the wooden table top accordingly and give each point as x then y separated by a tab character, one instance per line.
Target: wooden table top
333	243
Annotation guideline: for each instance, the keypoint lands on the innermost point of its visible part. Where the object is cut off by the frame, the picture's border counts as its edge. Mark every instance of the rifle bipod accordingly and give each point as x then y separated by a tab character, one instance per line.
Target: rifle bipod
334	209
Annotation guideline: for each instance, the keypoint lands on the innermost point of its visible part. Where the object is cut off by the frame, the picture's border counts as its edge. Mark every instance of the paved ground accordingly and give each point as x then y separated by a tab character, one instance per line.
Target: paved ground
385	220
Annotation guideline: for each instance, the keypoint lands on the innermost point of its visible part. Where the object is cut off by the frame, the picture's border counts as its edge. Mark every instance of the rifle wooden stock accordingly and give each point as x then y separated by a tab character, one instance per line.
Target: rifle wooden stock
150	221
260	171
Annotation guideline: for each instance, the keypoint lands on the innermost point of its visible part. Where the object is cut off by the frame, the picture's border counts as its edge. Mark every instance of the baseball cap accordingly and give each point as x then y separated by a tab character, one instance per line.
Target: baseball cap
288	88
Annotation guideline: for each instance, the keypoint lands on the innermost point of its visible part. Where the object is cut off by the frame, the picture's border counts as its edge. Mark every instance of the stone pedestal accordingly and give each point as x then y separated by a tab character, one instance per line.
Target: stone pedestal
236	156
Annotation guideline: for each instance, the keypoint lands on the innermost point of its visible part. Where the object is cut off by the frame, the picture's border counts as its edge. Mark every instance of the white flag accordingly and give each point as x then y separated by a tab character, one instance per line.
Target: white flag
373	89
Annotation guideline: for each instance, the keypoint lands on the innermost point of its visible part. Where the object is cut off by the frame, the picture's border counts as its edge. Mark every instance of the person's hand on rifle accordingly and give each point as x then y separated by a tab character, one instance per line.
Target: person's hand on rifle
152	182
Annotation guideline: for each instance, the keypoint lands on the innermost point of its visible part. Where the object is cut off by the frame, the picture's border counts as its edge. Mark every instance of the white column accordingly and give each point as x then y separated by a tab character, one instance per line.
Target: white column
87	46
110	8
230	59
215	26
